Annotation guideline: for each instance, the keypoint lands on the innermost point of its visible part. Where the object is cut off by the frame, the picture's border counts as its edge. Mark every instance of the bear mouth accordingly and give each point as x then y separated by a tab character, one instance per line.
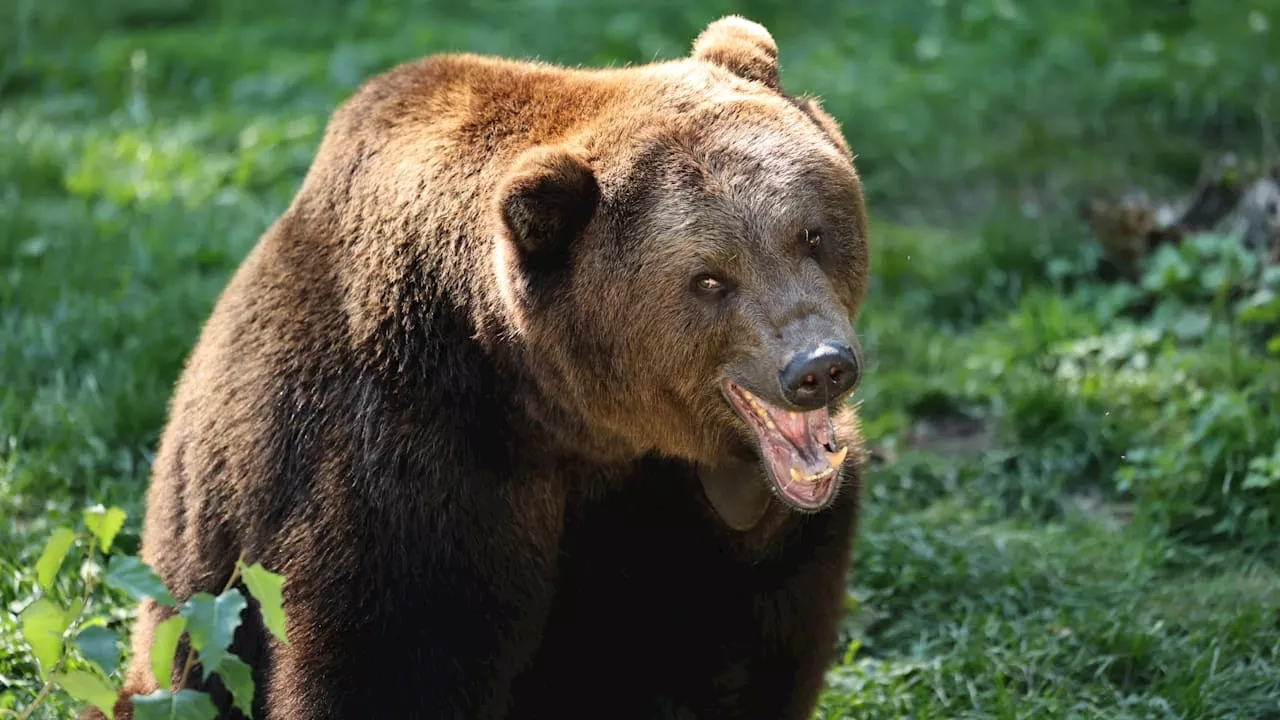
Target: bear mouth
798	449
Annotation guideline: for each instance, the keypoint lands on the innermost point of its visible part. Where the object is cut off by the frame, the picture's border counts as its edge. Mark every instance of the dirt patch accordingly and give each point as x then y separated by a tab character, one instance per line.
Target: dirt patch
1113	515
951	434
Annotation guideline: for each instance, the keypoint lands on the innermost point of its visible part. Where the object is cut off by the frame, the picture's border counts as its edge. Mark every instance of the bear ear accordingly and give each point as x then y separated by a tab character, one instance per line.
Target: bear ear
813	108
743	47
547	198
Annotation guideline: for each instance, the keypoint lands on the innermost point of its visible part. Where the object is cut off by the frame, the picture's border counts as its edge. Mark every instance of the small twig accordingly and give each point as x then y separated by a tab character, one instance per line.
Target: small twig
191	650
1223	315
186	666
1268	140
44	691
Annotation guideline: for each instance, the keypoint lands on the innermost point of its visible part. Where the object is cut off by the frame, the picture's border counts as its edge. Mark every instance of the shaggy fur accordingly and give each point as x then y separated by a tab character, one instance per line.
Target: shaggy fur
462	391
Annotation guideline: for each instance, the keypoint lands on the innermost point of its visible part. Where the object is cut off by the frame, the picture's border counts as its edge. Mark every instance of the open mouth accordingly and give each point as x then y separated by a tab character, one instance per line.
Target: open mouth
798	449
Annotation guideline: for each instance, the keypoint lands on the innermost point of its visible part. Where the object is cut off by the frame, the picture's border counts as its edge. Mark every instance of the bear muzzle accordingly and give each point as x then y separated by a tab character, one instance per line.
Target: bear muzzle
801	455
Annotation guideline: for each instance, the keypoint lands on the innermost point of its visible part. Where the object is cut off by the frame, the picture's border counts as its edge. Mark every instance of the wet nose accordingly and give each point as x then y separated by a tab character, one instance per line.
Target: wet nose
815	376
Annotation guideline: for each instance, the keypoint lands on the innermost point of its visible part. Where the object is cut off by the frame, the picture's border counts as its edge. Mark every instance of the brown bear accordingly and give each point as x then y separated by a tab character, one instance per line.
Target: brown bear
537	394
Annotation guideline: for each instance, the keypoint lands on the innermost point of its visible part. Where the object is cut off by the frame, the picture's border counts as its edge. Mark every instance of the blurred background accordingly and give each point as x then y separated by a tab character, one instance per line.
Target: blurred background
1073	332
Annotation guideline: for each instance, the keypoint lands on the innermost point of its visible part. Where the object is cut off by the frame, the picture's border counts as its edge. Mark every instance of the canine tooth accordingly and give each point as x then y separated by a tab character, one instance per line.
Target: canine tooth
795	475
837	459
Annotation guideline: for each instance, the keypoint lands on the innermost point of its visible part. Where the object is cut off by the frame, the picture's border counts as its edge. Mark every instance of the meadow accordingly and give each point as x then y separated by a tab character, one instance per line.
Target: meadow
1073	503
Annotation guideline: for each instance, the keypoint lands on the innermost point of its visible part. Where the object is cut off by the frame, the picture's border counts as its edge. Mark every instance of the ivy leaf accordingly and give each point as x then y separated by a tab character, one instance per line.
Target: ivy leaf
1192	325
1256	481
104	524
134	577
55	551
238	678
164	646
164	705
43	623
268	589
99	645
211	623
89	688
1262	307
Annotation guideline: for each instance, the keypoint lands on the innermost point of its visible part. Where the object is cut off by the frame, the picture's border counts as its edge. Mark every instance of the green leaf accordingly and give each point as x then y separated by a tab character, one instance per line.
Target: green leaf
268	589
104	524
1261	307
238	678
164	646
55	551
211	624
77	606
1192	325
43	623
98	644
1273	345
185	705
130	575
1258	481
1214	276
90	688
1254	481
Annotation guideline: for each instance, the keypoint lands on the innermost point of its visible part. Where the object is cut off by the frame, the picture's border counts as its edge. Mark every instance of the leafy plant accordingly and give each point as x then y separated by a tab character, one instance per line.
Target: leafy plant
1261	308
77	654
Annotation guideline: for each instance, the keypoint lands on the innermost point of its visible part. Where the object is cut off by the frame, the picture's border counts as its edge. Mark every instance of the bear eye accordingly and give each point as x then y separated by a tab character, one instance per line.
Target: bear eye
812	239
709	284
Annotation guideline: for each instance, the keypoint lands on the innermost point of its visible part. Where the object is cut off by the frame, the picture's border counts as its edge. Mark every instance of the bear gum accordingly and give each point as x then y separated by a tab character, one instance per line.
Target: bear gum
466	395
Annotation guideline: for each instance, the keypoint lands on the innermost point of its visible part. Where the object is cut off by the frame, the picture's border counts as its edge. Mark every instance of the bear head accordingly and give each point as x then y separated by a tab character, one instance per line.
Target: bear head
688	272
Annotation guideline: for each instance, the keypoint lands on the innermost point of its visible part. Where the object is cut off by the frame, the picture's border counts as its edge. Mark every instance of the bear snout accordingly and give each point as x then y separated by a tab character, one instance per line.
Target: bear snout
815	375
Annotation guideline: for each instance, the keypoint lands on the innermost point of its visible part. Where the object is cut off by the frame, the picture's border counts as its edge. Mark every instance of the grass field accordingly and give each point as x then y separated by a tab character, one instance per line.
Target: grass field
1075	505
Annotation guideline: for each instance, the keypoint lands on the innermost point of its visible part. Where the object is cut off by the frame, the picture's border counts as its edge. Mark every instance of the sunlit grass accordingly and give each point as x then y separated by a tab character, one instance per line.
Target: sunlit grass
1073	549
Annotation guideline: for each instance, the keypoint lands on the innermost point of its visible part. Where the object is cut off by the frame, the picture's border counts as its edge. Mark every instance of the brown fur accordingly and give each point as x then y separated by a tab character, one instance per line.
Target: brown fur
460	391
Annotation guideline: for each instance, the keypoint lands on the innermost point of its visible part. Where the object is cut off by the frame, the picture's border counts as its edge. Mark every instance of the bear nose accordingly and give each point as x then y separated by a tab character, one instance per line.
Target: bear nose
813	377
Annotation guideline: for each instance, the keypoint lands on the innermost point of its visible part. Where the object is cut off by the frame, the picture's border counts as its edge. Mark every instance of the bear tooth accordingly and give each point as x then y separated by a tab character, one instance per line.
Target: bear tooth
837	458
796	476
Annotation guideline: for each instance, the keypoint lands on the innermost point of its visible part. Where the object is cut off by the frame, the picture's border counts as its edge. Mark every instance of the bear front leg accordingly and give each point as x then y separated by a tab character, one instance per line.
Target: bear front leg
769	639
773	664
696	620
433	623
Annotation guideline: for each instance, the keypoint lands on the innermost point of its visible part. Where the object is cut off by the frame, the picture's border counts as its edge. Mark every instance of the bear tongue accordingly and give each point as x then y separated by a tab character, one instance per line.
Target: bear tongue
798	448
808	432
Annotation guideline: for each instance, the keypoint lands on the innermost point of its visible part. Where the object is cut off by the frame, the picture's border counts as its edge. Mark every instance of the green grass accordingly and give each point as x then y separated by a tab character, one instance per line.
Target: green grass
1098	539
